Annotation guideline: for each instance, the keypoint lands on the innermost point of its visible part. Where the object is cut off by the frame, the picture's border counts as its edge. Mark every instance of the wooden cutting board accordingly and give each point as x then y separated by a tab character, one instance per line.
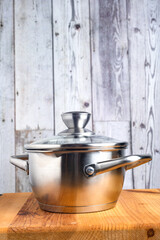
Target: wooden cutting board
136	216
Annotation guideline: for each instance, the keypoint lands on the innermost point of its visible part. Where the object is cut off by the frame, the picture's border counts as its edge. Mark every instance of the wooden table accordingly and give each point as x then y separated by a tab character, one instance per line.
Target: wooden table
136	216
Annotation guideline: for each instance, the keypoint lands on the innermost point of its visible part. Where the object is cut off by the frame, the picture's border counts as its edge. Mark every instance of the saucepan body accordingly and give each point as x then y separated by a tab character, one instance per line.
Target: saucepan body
77	181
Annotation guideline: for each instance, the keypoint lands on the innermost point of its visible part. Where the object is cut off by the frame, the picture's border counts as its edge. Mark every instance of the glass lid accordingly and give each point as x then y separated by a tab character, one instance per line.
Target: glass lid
75	137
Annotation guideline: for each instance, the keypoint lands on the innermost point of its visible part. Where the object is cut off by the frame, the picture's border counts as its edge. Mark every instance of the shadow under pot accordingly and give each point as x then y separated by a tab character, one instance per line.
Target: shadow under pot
77	171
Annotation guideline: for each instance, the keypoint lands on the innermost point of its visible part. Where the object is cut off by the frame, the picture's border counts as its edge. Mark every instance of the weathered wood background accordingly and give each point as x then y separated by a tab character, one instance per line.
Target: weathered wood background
97	56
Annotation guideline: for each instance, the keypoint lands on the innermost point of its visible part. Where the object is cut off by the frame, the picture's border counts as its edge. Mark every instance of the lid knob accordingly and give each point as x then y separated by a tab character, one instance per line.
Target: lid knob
76	120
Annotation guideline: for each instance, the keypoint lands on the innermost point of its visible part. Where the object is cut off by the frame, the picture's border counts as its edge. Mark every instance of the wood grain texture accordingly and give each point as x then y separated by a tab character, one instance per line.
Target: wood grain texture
7	140
144	33
109	60
34	77
10	204
33	65
72	77
152	71
136	216
120	131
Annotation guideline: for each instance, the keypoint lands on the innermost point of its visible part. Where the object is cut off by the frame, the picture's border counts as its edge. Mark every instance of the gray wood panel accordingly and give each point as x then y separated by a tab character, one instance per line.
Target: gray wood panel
33	65
110	79
7	139
144	53
72	77
152	73
33	75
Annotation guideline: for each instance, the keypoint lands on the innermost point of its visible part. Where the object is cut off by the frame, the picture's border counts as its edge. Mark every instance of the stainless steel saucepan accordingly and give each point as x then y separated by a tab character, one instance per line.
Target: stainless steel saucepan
77	171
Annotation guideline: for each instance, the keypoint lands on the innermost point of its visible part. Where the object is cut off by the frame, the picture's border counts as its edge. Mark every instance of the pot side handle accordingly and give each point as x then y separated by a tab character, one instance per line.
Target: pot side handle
128	162
20	161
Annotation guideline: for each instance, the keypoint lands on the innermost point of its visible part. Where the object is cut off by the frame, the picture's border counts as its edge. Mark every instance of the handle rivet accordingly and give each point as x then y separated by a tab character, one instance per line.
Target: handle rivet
90	170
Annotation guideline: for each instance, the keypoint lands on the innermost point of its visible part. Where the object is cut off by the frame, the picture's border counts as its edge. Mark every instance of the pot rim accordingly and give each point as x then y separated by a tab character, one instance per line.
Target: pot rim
76	147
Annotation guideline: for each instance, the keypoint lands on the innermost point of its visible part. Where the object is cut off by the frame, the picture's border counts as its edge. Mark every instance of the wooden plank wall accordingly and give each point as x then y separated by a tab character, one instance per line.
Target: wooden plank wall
72	75
7	106
111	93
144	48
97	56
33	76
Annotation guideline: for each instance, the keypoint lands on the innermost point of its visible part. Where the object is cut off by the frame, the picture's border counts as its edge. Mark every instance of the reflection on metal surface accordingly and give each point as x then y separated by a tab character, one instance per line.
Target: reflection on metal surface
60	185
21	161
76	122
75	209
128	162
59	181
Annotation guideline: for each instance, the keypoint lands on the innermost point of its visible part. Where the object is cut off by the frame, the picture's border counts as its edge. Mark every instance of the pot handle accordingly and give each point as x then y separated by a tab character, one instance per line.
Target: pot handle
127	162
20	161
